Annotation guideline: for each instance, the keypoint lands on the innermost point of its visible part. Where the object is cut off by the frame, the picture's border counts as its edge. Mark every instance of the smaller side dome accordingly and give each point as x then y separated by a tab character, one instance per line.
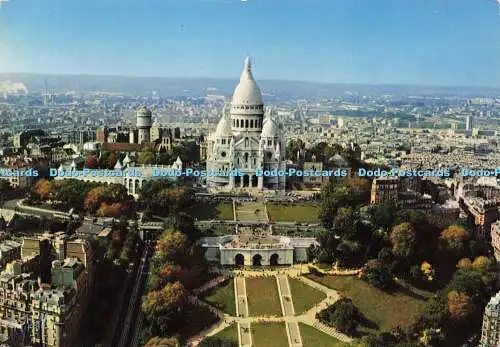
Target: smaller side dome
224	127
270	129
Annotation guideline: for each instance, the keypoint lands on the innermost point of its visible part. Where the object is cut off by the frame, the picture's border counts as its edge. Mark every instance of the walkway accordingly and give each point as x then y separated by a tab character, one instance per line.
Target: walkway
292	327
244	328
244	321
240	291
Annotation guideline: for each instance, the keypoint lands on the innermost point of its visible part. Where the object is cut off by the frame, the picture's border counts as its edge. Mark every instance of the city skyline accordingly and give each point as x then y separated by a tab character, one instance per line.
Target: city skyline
331	42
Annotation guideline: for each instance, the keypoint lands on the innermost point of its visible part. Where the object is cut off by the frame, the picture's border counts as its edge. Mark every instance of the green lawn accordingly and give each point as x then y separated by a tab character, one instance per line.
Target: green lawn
304	296
223	298
204	210
269	335
384	310
293	213
229	334
312	337
263	297
251	211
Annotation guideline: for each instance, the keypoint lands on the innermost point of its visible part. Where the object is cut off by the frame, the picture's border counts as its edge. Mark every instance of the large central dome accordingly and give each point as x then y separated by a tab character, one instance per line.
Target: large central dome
247	92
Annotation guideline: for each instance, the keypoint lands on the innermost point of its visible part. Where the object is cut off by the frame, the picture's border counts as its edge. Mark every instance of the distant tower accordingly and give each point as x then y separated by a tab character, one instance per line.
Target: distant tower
469	123
144	124
45	99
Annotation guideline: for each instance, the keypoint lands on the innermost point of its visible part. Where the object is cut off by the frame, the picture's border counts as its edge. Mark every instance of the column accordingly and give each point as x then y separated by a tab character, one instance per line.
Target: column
260	182
250	181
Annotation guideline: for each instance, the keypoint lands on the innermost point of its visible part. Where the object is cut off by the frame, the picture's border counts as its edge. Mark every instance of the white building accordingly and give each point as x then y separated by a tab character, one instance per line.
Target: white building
247	139
132	181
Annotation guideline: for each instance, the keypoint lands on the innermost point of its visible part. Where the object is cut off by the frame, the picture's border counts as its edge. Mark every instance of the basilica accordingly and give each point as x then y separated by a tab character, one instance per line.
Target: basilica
247	140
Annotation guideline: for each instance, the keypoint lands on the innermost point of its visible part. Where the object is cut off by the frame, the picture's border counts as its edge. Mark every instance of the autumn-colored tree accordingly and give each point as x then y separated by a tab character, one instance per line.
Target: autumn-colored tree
482	264
164	306
172	246
460	305
110	210
109	194
163	342
427	271
44	189
91	162
464	263
454	239
171	273
403	238
93	199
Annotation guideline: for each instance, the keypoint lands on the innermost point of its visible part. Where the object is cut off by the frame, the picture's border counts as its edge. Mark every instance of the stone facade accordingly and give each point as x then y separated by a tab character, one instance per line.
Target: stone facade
247	139
231	250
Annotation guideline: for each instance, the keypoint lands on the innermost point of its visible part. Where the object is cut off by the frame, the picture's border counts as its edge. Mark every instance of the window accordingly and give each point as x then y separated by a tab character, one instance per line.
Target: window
251	123
246	123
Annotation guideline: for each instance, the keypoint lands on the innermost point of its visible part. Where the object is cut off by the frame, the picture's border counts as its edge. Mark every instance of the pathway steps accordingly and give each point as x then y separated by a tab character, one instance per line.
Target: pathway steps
292	327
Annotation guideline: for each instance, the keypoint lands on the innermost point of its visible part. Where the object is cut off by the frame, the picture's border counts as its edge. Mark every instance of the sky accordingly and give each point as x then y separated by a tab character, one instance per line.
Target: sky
423	42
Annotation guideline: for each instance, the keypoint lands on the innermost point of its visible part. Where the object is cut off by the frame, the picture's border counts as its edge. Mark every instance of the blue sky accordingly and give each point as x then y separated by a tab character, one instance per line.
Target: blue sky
430	42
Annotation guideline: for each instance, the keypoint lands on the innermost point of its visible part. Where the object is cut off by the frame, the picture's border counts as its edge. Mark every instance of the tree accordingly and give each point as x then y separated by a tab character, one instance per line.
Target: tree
172	247
471	283
164	307
113	193
163	342
454	239
43	188
460	305
377	274
431	337
213	341
464	263
111	210
482	264
91	162
427	271
403	238
342	315
94	198
146	158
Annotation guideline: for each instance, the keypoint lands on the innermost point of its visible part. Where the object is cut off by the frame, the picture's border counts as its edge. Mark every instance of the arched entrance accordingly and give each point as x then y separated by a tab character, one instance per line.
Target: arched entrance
274	259
254	181
239	260
246	181
237	181
257	260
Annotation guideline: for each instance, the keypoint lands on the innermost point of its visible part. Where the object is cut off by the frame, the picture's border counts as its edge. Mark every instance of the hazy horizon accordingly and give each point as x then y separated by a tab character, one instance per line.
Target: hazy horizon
432	42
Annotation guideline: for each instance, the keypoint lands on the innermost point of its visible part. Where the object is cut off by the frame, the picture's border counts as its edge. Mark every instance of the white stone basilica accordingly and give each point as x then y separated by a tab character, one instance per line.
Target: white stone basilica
247	139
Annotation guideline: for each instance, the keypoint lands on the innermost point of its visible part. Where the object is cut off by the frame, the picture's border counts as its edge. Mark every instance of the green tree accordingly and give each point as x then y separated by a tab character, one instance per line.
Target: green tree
146	158
378	275
343	315
403	238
